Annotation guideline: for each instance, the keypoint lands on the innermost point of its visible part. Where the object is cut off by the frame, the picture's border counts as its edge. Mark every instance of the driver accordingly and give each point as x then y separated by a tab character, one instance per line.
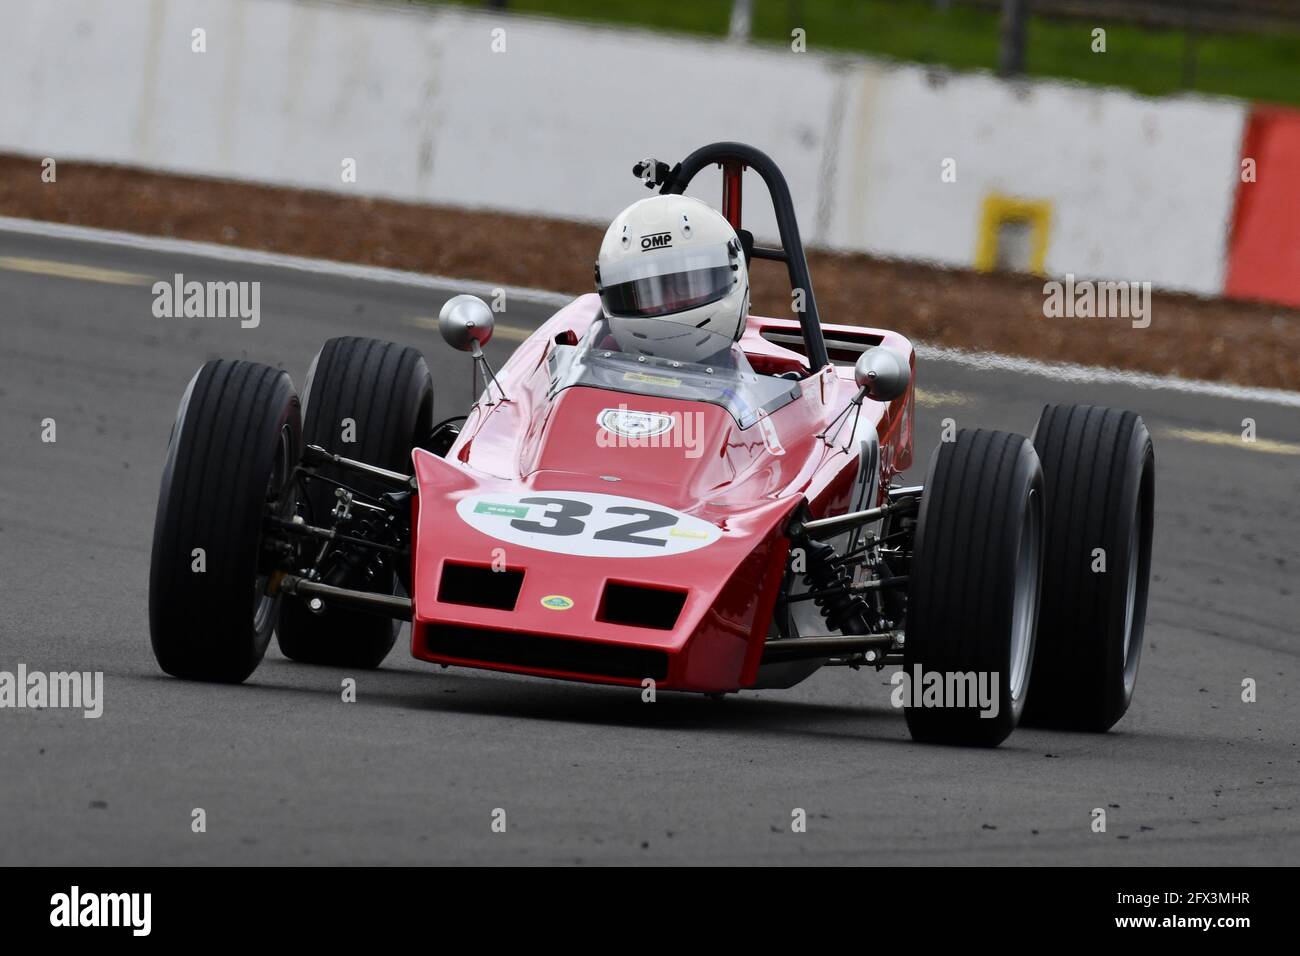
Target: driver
673	281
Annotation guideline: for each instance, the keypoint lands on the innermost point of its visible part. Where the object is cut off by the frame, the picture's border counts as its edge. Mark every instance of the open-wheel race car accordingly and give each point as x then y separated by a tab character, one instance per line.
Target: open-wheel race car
604	514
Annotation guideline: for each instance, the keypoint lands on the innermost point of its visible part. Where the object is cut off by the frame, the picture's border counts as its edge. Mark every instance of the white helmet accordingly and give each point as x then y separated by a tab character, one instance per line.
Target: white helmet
669	266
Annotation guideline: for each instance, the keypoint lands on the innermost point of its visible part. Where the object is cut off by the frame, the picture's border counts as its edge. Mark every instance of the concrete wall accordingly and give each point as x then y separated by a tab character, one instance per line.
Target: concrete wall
1138	188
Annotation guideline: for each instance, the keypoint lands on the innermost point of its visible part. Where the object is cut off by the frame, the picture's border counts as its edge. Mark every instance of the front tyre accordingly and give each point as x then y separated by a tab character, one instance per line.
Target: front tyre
371	401
230	462
1099	469
974	589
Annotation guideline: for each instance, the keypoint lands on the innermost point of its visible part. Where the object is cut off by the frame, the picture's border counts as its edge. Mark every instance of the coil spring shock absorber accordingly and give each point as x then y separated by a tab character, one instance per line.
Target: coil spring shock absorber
368	565
844	611
355	565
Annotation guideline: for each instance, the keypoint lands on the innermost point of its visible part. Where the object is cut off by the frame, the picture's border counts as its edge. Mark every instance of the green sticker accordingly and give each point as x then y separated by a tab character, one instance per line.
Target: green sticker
506	511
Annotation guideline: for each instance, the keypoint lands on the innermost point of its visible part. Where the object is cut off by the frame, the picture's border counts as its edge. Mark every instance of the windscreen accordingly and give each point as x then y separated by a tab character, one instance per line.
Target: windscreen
726	380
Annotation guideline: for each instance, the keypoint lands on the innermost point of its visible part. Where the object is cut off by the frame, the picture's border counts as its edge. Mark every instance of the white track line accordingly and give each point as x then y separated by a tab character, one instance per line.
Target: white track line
1091	374
276	260
991	361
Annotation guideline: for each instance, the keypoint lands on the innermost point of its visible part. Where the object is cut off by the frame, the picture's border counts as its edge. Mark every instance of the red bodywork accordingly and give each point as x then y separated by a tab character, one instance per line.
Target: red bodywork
744	482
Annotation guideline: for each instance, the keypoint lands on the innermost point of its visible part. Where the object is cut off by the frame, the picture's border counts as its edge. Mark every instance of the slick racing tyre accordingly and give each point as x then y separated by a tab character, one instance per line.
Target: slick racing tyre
230	461
380	396
1099	470
974	589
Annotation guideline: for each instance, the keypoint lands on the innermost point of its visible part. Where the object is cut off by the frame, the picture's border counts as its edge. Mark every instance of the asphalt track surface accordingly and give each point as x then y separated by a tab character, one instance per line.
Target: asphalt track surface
413	770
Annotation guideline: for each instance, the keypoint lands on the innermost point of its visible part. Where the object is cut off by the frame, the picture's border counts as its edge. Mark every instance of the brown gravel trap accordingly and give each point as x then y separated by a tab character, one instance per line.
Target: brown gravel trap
1213	339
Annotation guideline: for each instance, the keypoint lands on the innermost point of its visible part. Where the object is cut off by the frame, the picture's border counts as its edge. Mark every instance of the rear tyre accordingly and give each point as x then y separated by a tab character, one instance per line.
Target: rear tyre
380	395
230	461
1099	469
974	587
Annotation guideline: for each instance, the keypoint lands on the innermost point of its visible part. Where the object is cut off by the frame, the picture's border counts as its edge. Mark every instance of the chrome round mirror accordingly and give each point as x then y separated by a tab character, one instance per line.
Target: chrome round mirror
464	320
882	373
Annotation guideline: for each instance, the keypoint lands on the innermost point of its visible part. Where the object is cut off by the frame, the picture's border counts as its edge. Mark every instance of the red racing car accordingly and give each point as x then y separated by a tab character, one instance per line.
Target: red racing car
607	516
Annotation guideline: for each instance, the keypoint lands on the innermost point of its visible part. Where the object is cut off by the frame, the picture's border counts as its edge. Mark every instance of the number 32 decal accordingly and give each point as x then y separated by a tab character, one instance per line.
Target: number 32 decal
585	523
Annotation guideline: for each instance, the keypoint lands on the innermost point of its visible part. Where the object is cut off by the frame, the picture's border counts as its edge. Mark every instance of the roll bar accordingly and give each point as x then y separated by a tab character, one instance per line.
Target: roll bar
734	158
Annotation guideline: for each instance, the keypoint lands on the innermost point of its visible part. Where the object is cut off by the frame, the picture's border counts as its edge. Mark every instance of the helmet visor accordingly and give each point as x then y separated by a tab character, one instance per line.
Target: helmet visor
667	283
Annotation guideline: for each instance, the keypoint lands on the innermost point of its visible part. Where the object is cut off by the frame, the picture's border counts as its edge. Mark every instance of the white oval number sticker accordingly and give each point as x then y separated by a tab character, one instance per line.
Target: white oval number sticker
585	523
